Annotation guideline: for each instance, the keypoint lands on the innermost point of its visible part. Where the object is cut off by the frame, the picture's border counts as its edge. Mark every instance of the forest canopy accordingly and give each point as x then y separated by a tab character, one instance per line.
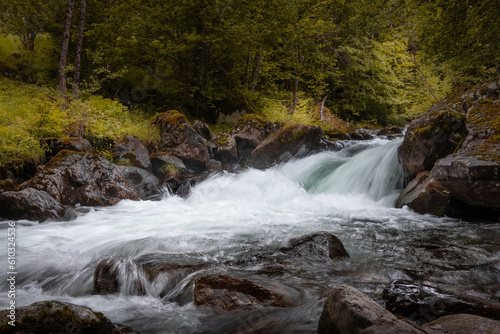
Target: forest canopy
373	62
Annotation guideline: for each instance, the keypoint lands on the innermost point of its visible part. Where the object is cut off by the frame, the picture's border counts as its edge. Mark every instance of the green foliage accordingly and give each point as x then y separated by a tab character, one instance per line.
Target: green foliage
29	113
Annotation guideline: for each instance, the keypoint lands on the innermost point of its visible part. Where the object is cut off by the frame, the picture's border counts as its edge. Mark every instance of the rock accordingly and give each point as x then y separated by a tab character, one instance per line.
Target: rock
250	130
391	131
472	174
425	195
226	148
362	134
76	129
167	167
56	145
112	276
58	317
180	139
320	246
106	277
83	178
422	303
31	204
333	127
349	311
202	129
429	138
143	181
463	324
130	150
295	139
7	185
225	293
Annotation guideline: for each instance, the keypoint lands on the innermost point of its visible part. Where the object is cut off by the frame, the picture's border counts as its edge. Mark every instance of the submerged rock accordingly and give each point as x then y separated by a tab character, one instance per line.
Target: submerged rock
224	293
463	324
349	311
31	204
425	195
130	150
83	178
180	139
320	246
422	303
292	140
430	137
58	317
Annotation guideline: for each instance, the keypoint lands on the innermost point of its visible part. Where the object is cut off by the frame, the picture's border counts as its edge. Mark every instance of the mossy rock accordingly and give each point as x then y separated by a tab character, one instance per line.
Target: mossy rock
56	317
333	126
173	117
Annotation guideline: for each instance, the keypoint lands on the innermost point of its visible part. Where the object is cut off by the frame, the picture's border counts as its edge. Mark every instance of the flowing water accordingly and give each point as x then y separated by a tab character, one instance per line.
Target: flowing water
230	220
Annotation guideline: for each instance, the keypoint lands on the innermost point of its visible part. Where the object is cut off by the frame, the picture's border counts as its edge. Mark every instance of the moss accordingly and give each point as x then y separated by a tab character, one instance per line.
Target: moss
223	141
168	168
173	117
59	321
252	119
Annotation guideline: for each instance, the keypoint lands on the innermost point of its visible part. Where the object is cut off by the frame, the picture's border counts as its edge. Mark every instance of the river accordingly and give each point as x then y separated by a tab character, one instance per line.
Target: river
225	224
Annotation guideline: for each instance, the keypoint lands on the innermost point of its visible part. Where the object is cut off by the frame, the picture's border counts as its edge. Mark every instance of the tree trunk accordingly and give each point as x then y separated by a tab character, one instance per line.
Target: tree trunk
63	56
295	92
78	58
28	40
256	70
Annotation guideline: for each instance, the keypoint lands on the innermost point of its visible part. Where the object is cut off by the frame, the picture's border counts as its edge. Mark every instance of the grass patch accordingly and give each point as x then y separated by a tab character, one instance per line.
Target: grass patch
29	113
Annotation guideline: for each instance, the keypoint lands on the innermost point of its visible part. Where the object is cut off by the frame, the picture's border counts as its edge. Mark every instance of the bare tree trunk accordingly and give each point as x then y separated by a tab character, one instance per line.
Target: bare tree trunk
78	58
256	70
322	109
63	56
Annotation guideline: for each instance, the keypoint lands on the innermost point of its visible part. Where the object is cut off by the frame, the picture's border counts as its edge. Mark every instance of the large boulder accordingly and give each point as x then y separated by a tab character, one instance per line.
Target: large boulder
143	181
425	195
226	151
462	324
295	139
58	317
250	130
423	303
225	293
130	150
347	311
180	139
202	129
430	137
83	178
319	246
30	204
472	174
56	145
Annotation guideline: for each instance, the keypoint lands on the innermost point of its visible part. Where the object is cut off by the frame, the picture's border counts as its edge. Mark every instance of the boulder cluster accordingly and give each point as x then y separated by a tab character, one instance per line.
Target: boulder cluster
73	175
451	154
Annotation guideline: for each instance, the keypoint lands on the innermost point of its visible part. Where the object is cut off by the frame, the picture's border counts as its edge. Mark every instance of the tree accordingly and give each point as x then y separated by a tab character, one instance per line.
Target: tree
27	19
63	55
78	58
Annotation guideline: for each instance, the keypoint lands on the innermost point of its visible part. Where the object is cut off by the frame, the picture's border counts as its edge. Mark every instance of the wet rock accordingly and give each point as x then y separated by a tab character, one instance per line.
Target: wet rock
362	134
250	130
113	275
422	303
130	150
106	277
143	181
202	129
425	195
180	139
58	317
292	140
224	293
83	178
226	151
31	204
463	324
391	131
472	174
56	145
431	137
319	246
349	311
167	167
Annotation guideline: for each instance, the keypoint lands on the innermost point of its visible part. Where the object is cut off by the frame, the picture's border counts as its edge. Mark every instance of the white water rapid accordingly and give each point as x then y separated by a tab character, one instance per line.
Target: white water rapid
229	219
